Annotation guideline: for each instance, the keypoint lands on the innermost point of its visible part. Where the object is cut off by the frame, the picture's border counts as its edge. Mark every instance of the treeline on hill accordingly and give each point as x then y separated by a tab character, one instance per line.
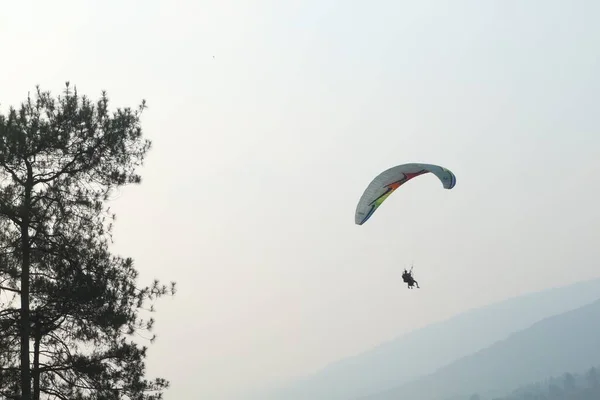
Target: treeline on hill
585	386
69	308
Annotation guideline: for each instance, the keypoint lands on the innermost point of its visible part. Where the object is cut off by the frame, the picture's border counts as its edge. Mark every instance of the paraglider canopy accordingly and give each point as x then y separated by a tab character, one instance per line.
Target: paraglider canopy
385	183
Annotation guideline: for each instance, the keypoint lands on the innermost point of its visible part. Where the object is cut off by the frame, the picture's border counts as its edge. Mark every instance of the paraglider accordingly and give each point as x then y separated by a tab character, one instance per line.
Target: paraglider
388	181
408	278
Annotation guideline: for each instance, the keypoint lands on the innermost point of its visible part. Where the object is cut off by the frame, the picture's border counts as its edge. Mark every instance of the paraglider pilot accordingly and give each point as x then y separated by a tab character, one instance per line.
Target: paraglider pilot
409	279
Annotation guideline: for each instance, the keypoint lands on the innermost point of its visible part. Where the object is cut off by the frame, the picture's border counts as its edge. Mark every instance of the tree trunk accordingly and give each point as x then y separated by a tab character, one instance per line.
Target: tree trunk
36	361
25	318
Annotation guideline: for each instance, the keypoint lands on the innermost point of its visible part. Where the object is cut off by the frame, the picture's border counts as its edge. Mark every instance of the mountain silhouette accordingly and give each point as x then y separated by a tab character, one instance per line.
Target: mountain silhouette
425	350
569	341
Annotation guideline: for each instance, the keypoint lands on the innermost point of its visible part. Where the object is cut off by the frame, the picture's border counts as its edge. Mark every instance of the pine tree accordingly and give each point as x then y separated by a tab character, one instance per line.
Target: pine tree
60	160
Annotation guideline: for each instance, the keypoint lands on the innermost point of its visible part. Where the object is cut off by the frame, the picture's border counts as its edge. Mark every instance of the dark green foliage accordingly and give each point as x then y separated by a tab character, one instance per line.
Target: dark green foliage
60	159
584	386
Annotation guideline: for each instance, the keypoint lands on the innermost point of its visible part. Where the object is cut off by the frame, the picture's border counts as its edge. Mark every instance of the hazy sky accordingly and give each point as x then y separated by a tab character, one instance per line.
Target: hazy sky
262	152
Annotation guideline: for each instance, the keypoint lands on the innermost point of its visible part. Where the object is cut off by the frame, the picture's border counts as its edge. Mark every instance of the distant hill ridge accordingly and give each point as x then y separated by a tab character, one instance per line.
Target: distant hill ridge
569	341
423	351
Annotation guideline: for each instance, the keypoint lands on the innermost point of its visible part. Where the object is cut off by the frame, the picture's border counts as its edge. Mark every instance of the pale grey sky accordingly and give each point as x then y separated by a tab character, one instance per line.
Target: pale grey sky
261	154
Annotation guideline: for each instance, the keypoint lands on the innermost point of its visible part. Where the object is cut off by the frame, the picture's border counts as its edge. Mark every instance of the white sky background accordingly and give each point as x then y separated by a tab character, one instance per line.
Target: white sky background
261	154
